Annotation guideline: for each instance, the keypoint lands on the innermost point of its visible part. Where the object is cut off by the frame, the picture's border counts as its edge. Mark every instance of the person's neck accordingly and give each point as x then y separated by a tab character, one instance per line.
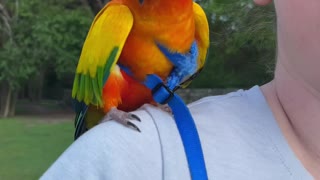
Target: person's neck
296	107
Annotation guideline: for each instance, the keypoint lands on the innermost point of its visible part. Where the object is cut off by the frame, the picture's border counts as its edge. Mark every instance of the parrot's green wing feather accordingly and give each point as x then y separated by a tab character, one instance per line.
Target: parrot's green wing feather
100	52
202	38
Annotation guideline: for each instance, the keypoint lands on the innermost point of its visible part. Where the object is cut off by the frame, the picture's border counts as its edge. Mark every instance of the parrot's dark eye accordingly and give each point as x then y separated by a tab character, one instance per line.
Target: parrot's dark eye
141	1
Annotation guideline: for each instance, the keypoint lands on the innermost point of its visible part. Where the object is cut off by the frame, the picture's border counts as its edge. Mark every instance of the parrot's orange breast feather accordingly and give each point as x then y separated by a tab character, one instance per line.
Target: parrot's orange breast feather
141	53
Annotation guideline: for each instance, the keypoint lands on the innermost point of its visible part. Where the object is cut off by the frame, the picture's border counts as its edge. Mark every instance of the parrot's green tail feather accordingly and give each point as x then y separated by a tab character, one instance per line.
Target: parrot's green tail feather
89	96
96	91
80	119
80	125
80	94
89	89
100	72
86	118
110	62
75	86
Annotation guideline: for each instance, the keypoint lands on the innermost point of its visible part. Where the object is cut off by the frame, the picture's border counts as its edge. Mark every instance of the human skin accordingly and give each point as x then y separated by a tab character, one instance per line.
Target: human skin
294	93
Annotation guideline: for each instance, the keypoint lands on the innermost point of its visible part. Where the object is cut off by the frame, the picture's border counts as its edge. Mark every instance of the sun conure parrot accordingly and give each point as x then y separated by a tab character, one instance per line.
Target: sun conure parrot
128	40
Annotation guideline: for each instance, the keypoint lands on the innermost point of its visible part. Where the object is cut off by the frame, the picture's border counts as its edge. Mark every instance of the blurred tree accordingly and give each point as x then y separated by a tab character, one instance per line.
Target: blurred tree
5	28
8	94
44	34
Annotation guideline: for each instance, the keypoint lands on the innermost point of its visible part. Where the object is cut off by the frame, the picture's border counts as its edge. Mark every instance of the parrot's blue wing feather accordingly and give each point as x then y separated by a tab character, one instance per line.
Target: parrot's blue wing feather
185	65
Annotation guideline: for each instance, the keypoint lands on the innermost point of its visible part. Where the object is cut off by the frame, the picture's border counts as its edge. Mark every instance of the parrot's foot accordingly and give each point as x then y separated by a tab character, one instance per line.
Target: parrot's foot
122	117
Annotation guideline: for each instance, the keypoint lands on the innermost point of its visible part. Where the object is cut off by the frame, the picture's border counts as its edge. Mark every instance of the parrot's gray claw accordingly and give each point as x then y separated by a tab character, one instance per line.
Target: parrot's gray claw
123	118
130	124
135	117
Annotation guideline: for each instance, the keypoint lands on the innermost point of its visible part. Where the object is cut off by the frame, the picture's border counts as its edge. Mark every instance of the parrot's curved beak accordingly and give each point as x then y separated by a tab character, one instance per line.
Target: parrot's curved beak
141	1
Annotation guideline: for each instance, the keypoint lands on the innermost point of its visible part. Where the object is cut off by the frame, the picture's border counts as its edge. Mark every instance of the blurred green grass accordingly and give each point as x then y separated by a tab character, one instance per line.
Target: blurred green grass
29	145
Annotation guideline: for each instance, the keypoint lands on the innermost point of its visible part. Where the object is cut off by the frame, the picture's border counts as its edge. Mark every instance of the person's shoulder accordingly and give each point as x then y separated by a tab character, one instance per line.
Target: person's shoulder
107	149
239	133
232	105
112	132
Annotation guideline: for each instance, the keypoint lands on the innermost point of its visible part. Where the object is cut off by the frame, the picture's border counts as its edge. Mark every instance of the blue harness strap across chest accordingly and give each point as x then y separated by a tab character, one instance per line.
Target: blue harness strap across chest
185	124
184	66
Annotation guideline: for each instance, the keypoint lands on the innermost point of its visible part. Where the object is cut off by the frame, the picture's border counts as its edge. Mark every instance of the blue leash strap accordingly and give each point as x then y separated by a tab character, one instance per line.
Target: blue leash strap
186	126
